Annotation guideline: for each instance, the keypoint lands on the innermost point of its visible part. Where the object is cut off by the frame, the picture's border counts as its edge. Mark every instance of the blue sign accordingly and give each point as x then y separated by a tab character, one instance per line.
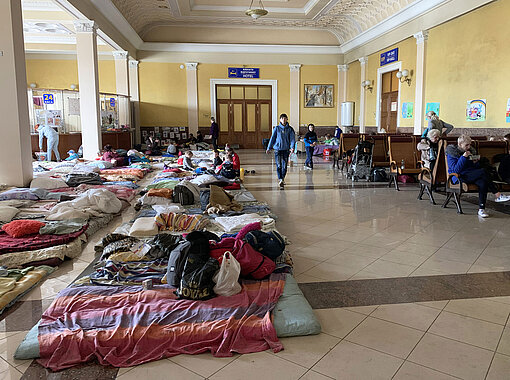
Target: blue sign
389	56
239	72
48	99
112	102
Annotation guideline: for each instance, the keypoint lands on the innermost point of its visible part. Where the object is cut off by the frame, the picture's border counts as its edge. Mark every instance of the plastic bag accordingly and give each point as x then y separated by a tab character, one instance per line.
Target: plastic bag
293	158
227	277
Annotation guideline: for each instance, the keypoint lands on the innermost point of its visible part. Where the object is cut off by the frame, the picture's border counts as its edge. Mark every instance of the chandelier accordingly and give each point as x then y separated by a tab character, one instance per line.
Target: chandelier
256	13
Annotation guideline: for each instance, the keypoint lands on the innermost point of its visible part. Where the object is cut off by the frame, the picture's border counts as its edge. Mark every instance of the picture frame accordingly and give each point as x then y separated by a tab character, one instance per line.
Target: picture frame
319	96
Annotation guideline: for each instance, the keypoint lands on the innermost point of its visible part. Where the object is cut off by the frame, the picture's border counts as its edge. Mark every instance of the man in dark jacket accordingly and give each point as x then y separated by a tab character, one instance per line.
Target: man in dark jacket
283	140
215	131
461	161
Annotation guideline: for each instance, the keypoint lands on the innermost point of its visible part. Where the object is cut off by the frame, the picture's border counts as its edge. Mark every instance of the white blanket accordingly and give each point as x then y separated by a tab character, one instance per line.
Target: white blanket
232	224
93	202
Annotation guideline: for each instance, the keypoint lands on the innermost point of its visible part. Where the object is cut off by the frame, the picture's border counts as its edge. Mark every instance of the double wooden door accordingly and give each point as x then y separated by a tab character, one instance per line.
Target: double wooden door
244	121
389	102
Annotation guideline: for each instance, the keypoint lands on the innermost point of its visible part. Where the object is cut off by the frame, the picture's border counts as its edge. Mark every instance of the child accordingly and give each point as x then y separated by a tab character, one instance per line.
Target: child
72	155
310	142
226	169
236	162
217	159
186	162
172	147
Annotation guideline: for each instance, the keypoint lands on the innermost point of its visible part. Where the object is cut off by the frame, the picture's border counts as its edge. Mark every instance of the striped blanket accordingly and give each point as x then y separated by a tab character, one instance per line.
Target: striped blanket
181	222
125	326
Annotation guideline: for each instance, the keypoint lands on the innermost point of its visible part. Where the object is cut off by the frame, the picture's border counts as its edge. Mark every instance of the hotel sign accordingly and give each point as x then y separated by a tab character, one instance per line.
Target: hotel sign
240	72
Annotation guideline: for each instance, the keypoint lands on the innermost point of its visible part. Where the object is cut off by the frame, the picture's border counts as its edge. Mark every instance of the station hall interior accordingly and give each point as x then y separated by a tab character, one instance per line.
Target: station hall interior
399	268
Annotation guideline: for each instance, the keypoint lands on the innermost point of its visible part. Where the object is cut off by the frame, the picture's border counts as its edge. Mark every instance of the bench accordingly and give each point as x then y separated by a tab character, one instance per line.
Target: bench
402	149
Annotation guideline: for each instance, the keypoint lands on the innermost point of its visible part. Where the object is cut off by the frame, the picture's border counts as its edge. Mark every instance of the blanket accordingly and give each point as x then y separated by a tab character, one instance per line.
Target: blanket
235	223
125	326
220	201
35	241
122	192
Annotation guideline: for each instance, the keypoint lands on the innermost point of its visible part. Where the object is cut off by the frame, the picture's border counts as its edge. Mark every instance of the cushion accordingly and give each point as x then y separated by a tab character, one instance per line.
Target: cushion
20	228
29	348
47	183
151	201
21	193
293	315
142	227
7	213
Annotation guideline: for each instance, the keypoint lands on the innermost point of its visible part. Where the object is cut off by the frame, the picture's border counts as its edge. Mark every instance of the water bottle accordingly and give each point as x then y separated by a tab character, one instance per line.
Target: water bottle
402	165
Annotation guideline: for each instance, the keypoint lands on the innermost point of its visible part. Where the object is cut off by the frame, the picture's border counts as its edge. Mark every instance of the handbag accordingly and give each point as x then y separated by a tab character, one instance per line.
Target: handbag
227	278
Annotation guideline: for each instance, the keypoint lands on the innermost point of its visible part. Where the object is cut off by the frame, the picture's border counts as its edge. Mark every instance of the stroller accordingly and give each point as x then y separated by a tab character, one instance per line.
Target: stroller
361	164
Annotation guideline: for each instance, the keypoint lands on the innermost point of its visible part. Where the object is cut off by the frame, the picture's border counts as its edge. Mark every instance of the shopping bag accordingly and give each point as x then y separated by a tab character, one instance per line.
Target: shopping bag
293	158
227	277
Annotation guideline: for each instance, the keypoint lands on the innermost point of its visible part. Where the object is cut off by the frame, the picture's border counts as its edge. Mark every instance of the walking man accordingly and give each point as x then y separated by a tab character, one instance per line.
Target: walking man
282	142
215	131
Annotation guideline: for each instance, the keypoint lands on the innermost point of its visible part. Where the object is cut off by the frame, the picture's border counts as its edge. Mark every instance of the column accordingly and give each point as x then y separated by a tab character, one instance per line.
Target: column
342	91
90	110
121	72
295	79
134	91
192	84
419	98
16	152
362	95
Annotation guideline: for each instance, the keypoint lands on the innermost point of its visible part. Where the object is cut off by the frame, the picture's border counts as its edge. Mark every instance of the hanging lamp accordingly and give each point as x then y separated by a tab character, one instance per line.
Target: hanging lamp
256	13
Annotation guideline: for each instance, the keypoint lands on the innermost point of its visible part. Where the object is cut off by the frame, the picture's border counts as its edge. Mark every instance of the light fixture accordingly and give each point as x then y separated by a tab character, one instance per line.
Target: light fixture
256	13
33	85
403	76
367	85
73	87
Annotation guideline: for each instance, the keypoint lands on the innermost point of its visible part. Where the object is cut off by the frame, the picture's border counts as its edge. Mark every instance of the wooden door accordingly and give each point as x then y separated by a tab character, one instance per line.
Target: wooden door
389	102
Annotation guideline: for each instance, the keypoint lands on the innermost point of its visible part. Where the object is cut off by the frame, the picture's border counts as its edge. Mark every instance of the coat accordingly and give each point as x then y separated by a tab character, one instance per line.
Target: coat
282	138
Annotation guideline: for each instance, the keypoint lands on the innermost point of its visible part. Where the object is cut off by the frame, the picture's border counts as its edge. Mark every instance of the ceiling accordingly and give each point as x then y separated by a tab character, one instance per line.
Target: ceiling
153	20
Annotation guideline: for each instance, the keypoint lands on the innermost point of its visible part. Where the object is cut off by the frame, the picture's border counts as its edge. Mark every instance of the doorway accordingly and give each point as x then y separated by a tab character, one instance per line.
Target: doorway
244	114
389	101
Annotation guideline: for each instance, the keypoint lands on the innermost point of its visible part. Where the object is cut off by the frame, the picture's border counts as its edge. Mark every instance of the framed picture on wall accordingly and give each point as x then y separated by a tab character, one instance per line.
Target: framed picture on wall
319	95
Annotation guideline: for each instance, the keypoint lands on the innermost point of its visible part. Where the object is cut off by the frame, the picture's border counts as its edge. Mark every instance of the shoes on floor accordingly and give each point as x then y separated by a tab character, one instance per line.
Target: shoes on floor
253	172
482	213
307	167
281	183
502	198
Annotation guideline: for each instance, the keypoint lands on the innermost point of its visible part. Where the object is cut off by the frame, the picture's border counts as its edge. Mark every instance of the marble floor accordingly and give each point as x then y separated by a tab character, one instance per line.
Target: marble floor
371	249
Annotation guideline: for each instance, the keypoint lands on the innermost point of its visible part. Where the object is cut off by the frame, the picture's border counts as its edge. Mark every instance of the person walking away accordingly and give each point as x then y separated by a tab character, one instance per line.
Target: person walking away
310	142
214	132
51	141
282	141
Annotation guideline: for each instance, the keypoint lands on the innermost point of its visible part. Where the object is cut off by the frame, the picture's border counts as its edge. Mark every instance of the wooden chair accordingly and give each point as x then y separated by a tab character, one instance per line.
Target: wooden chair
380	151
430	179
348	141
487	149
402	149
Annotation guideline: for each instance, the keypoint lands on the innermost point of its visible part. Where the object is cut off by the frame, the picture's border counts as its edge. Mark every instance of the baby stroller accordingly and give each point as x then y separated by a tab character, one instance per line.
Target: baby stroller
361	164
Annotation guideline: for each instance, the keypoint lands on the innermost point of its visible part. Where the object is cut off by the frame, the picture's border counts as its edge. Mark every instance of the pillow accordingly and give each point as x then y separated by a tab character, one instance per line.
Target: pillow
20	228
151	201
18	193
47	183
143	227
7	213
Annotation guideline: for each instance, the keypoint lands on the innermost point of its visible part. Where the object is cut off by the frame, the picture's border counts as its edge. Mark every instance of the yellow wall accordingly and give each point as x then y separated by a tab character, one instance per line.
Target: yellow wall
163	95
60	74
311	74
354	87
468	58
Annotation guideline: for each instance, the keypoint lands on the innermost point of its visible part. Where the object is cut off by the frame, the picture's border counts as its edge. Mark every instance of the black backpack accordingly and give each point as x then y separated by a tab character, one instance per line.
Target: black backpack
380	175
270	244
183	195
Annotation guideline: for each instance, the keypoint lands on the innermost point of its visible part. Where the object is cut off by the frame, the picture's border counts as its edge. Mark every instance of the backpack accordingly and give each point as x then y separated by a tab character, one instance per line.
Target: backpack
183	195
253	263
380	175
197	280
227	170
270	244
176	262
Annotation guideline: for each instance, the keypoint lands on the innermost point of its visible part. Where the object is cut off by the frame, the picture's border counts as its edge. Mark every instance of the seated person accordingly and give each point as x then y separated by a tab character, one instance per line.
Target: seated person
226	169
172	147
153	146
338	132
460	161
331	140
235	160
200	137
217	159
110	155
187	163
428	147
72	155
191	140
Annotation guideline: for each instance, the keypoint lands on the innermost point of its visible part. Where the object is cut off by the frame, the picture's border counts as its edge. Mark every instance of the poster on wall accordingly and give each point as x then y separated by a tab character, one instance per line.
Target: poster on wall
49	117
432	107
74	106
475	110
508	111
407	110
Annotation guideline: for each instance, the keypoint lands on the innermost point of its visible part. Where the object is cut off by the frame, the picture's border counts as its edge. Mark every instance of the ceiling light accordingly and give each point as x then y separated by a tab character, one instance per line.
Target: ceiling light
256	13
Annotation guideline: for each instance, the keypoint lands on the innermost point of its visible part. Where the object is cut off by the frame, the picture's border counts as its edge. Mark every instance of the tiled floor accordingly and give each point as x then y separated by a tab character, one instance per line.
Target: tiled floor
340	231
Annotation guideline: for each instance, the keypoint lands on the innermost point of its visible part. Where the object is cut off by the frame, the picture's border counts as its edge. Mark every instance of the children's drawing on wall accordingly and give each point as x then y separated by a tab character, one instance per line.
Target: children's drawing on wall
475	110
407	110
432	107
508	110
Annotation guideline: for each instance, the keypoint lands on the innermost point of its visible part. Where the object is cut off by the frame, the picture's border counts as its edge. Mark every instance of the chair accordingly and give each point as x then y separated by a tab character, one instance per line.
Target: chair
402	149
348	141
430	179
379	151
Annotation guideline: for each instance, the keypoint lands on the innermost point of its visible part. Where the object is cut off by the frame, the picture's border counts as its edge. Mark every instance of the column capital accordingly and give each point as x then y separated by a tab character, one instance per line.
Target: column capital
421	36
363	60
342	67
191	65
133	63
85	26
120	55
295	67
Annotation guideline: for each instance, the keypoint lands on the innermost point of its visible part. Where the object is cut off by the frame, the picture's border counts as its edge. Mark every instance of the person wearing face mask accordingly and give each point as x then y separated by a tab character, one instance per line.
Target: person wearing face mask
462	161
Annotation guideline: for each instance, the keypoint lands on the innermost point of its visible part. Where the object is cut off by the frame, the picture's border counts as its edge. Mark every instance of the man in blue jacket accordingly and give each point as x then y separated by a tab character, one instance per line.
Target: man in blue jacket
282	142
461	161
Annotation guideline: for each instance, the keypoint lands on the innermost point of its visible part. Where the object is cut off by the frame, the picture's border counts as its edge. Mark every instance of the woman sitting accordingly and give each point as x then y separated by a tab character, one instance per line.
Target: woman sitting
110	155
428	147
461	161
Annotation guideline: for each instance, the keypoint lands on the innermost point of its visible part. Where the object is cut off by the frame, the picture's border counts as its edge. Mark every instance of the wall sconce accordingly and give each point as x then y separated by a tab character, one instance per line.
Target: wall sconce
73	87
367	85
33	85
403	76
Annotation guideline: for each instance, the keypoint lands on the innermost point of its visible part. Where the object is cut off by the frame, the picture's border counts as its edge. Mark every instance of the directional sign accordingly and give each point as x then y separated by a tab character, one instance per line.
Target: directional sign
240	72
389	56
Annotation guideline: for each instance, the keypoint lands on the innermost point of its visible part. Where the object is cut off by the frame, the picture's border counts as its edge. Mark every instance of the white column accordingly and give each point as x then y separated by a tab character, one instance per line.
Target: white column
295	80
121	72
342	91
134	91
86	51
192	84
362	95
15	152
419	98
